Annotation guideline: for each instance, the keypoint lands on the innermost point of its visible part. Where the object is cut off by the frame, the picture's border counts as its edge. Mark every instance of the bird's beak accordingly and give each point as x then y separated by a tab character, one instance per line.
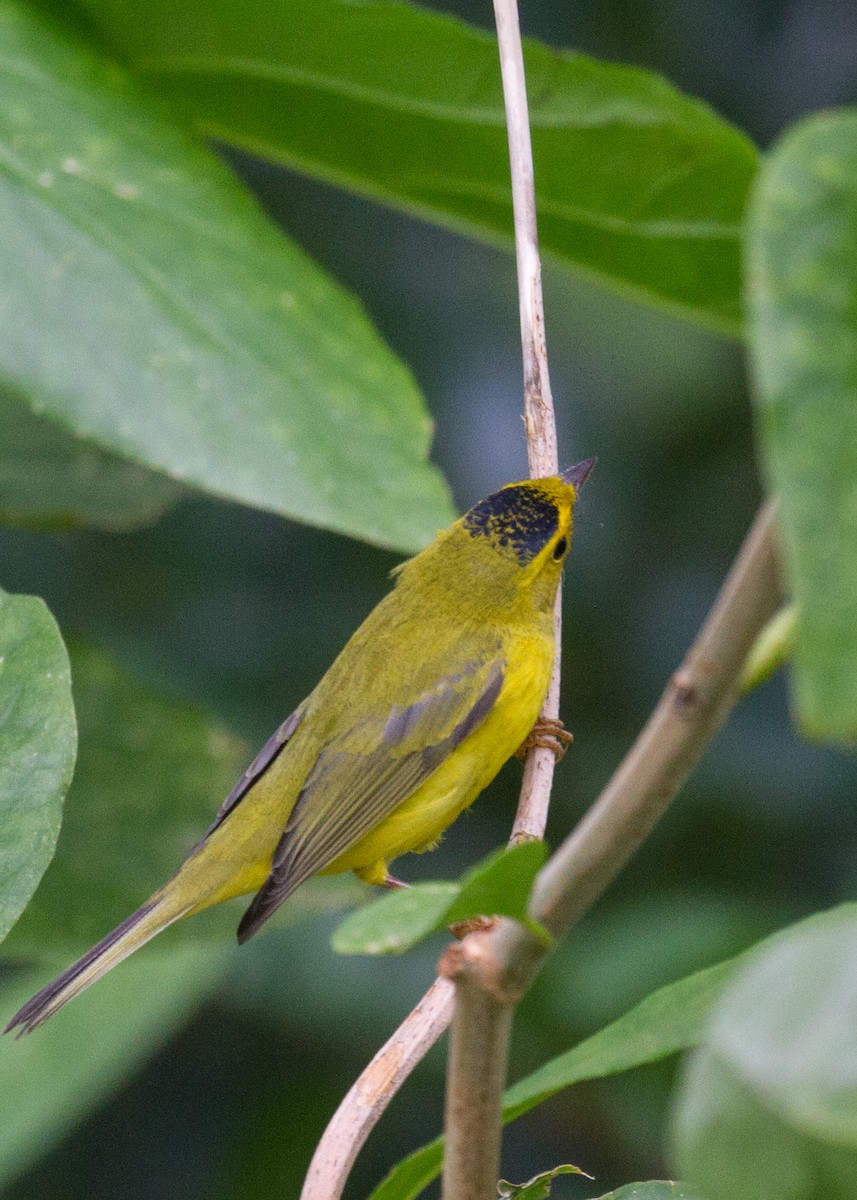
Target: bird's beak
579	473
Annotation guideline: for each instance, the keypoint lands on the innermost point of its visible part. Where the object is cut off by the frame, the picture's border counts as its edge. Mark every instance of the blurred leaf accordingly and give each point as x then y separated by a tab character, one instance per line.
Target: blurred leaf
50	1080
637	185
625	952
537	1188
772	648
733	1148
669	1020
655	1189
149	305
409	1178
38	742
50	479
150	777
788	1025
499	886
769	1105
802	293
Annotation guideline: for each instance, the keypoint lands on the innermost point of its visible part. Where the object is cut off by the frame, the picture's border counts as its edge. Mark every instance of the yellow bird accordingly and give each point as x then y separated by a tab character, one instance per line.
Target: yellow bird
434	692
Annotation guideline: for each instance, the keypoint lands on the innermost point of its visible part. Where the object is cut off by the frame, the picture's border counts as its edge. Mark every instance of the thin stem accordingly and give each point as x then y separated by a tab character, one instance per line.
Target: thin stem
538	404
539	419
482	1025
363	1106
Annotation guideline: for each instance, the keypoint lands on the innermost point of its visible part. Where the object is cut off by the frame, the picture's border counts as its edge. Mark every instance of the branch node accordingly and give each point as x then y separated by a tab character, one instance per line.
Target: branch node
686	696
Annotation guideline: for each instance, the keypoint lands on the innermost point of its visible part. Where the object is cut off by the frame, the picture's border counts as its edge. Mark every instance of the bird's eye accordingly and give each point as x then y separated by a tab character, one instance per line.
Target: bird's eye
560	549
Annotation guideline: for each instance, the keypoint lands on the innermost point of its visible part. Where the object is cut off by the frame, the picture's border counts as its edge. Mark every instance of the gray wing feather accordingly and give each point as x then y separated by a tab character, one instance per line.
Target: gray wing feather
257	768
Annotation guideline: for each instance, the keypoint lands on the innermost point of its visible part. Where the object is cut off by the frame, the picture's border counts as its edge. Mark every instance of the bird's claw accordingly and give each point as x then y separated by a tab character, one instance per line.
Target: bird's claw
550	734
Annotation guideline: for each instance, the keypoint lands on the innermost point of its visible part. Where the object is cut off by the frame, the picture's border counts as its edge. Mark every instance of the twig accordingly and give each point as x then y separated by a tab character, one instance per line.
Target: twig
482	1024
369	1096
539	419
538	403
363	1105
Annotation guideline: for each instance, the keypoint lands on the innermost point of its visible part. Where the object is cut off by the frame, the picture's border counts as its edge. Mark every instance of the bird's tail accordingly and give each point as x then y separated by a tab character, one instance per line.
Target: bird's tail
156	914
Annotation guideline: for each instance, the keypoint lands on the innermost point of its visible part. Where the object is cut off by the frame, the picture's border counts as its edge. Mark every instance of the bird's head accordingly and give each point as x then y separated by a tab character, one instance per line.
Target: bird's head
510	545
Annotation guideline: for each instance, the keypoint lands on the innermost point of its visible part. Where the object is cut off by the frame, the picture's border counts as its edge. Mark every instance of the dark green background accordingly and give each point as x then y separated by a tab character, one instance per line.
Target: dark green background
241	612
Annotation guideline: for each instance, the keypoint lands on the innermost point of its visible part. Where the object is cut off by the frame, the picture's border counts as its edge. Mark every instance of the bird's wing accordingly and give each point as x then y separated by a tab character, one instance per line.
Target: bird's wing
362	776
257	768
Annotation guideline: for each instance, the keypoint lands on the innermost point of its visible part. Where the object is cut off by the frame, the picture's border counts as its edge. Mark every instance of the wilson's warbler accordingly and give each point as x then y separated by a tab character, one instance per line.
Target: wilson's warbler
437	688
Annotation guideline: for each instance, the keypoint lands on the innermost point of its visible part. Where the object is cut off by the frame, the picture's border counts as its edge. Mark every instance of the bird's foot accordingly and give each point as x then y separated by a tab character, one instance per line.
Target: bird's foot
392	883
472	925
550	734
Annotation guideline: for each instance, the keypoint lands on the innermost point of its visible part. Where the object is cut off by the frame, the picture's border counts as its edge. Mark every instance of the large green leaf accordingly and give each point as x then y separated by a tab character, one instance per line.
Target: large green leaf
637	185
52	480
147	303
150	777
38	741
671	1019
802	297
50	1081
769	1104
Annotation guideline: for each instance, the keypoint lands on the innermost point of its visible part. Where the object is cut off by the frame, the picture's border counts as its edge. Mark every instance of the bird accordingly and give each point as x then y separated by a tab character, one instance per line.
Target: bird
438	687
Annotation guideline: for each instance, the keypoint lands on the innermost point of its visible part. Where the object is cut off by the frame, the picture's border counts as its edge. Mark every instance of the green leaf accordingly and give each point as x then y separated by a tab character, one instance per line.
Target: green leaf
802	304
734	1148
772	648
50	1081
410	1177
499	886
654	1189
149	305
537	1188
38	742
667	1021
149	779
787	1025
638	185
768	1108
671	1019
396	922
51	480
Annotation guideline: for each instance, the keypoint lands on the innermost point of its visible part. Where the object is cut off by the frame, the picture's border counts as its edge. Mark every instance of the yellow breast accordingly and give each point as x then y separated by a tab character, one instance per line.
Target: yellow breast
420	820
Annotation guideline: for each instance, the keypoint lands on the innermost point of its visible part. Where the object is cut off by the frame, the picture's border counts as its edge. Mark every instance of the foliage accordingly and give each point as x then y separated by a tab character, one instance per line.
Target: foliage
639	185
498	887
38	742
174	369
801	292
177	313
537	1188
